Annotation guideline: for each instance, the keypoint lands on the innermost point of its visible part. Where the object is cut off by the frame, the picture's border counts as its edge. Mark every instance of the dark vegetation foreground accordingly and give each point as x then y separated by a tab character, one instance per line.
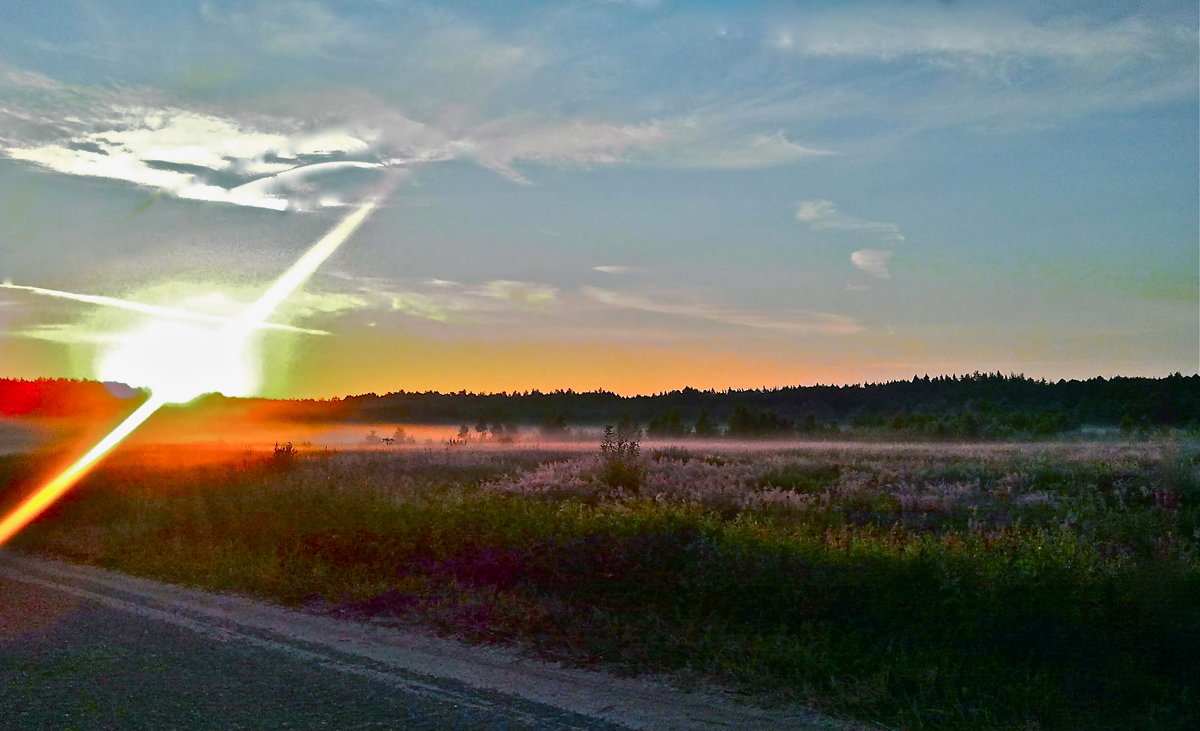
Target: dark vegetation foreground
937	586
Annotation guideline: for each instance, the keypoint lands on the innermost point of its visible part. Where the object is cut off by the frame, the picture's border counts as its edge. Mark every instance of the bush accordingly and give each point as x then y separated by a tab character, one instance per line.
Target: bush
621	464
284	457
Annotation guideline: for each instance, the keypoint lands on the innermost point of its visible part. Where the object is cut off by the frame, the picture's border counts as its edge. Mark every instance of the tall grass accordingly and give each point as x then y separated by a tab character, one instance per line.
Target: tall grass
1024	587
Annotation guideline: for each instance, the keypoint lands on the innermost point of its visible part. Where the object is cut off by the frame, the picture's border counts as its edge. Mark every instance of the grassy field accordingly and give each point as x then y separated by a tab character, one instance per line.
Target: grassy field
918	586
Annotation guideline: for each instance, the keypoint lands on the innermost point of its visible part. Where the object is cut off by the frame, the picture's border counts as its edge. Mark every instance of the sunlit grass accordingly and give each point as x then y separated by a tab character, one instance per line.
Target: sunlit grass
1048	586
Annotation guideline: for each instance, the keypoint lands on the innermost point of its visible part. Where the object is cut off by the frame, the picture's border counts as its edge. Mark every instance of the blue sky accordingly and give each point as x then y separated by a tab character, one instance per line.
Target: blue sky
627	195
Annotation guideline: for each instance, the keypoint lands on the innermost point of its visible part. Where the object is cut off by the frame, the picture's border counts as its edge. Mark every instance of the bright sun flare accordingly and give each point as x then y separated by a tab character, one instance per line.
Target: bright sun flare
179	362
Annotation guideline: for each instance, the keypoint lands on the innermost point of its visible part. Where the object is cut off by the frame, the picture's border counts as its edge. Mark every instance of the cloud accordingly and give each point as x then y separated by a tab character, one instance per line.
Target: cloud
691	143
451	63
105	320
285	27
804	322
511	302
995	66
521	292
815	210
307	303
618	269
184	138
65	334
442	300
822	214
293	156
425	306
190	313
31	80
197	156
292	184
552	94
503	144
744	153
445	301
127	168
872	261
890	31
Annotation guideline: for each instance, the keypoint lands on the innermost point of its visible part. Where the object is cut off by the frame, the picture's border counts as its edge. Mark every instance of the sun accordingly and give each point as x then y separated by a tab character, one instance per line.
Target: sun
178	361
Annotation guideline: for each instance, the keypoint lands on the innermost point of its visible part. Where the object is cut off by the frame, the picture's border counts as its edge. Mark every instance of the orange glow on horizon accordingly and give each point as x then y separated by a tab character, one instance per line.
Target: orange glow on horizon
416	364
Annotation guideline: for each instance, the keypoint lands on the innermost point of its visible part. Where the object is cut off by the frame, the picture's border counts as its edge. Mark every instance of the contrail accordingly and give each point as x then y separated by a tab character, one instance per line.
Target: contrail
166	313
234	333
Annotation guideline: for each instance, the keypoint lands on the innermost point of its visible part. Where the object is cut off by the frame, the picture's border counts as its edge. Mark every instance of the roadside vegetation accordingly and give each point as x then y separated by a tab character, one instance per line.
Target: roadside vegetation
917	586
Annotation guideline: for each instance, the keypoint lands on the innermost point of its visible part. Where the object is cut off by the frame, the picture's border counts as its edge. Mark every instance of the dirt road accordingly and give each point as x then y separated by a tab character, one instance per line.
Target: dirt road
86	648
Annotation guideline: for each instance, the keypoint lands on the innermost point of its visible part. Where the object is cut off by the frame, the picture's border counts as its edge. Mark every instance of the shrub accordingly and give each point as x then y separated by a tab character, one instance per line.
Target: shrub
621	464
671	454
284	457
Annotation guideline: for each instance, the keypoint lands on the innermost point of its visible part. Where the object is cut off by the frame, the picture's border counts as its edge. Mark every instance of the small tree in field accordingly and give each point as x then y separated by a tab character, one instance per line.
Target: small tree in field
621	461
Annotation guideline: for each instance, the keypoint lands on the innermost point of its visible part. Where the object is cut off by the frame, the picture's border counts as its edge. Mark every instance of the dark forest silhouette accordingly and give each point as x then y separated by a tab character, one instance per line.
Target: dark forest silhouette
985	405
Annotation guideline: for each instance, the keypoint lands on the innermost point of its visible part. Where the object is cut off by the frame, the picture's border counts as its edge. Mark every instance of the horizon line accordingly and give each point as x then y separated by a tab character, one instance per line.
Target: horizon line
607	392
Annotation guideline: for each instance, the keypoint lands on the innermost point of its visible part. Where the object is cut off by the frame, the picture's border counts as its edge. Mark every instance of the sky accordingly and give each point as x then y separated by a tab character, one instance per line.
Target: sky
635	196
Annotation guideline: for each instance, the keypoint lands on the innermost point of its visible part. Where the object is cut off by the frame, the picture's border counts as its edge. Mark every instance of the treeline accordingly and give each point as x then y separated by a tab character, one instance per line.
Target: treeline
61	398
974	405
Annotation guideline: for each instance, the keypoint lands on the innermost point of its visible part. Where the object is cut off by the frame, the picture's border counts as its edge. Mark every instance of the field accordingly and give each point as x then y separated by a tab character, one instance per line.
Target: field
914	586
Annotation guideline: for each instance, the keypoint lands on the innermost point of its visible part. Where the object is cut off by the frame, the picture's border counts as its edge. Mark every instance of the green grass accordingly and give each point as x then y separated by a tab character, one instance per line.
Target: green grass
1030	587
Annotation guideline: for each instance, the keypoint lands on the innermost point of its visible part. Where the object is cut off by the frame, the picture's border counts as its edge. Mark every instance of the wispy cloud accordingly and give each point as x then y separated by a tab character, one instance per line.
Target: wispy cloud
618	269
823	214
801	322
427	306
159	312
503	144
445	301
890	31
65	334
287	27
873	262
442	300
311	303
999	66
694	145
526	293
451	62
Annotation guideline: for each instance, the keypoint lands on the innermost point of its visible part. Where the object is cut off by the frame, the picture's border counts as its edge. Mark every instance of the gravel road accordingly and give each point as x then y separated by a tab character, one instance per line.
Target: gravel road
86	648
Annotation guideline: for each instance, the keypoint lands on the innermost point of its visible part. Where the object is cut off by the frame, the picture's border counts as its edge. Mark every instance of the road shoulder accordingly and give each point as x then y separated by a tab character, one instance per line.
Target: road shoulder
424	659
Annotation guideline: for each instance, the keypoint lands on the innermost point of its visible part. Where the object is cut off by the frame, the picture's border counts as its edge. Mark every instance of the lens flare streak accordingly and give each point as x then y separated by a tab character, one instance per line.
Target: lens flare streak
299	273
232	339
54	489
